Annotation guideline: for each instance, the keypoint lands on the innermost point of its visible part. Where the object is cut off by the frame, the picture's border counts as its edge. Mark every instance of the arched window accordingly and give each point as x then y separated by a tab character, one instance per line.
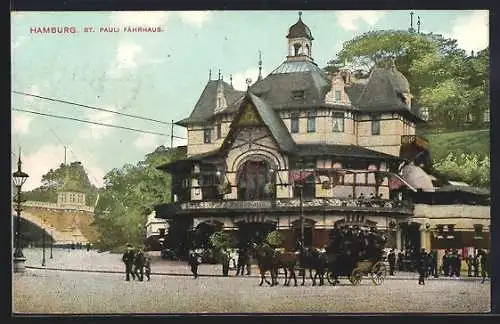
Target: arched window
296	48
253	179
308	50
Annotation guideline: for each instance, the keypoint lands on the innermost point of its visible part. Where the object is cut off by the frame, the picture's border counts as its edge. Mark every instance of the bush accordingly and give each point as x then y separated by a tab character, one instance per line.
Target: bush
275	238
221	240
470	168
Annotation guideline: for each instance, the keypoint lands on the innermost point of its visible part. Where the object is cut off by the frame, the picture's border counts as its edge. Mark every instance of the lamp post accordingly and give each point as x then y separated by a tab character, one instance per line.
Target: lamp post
43	243
51	241
19	178
301	204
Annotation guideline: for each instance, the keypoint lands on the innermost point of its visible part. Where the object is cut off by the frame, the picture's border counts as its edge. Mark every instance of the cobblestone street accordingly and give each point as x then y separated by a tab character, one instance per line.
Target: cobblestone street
50	291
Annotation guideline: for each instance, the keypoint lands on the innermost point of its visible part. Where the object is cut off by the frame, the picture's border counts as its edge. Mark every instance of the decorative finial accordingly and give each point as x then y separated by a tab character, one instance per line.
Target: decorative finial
219	74
248	82
260	65
210	75
231	79
418	24
411	30
19	159
300	15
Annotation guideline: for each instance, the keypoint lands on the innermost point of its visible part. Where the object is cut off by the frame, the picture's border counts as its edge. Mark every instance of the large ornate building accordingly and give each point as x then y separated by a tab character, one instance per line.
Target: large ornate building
300	151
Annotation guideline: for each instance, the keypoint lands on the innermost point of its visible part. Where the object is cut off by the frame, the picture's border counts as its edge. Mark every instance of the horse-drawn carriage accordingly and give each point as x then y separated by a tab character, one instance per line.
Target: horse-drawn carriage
376	270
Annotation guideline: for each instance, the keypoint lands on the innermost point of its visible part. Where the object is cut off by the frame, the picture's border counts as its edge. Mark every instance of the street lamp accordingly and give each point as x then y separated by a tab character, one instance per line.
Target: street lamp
43	243
19	178
51	241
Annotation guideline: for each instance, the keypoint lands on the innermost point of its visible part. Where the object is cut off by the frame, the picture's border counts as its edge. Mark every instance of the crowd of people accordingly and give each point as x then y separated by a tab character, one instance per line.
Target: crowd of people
137	264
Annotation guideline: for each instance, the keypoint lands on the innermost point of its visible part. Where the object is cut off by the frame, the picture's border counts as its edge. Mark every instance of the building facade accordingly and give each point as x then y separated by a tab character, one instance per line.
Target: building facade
299	151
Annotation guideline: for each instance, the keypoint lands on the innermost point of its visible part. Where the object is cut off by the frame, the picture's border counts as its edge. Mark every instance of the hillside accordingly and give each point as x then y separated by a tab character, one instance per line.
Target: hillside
441	145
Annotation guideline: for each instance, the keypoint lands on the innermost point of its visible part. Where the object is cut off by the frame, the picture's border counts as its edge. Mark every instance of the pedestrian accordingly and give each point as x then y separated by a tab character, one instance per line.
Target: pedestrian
242	261
421	266
139	264
225	262
458	264
147	267
391	258
485	265
400	260
475	263
434	264
128	260
446	264
194	260
248	262
470	265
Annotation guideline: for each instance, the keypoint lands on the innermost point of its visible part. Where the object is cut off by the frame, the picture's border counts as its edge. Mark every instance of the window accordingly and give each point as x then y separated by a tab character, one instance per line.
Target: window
219	131
294	123
308	188
486	116
478	231
440	231
298	95
451	230
207	136
338	122
376	124
311	122
337	95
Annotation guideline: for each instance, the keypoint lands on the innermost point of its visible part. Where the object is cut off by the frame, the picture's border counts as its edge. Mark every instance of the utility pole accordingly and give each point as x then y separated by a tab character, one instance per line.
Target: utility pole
64	155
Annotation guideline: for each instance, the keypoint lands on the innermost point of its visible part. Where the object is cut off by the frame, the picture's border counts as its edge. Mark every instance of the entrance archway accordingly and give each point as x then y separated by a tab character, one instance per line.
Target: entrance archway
253	176
203	232
410	236
253	232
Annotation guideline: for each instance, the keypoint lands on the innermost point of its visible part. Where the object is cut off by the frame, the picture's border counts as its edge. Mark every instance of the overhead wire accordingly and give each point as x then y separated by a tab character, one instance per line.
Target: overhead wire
92	107
98	123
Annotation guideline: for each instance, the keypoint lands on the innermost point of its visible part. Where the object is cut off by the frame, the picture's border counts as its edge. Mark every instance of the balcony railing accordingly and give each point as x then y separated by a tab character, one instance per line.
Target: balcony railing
283	205
415	139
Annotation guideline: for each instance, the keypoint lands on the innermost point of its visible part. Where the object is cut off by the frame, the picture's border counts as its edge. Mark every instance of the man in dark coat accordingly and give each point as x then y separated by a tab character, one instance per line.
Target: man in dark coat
422	266
128	259
400	260
475	264
485	265
434	264
147	267
194	260
391	258
139	265
446	264
470	265
242	261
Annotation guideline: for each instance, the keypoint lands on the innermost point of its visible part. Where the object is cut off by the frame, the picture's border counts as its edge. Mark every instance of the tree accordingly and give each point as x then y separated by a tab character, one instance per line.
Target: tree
275	238
129	194
469	168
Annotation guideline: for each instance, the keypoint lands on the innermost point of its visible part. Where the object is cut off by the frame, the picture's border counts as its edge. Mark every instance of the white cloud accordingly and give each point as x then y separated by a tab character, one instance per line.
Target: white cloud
147	141
348	19
472	32
239	79
126	58
51	156
139	18
21	122
97	131
195	18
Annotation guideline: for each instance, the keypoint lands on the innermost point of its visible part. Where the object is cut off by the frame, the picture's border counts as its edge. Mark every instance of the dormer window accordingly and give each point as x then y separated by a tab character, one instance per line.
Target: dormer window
337	96
298	95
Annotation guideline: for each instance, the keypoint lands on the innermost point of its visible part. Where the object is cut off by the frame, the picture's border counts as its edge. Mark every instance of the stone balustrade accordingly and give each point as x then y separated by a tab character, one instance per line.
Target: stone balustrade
42	204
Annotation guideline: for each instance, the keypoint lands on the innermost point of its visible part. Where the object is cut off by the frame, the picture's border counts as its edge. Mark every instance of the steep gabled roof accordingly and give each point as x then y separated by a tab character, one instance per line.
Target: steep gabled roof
204	108
268	117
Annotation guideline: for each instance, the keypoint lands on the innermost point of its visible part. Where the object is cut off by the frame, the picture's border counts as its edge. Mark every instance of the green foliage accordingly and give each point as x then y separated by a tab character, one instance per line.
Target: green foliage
222	240
468	142
129	194
275	238
470	168
442	77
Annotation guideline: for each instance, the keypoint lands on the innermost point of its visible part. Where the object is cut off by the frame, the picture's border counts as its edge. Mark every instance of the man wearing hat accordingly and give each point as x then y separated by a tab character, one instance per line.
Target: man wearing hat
128	259
391	258
422	266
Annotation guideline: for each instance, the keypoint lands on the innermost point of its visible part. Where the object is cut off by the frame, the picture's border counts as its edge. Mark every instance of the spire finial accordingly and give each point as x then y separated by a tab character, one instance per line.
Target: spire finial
411	30
260	66
209	74
418	24
300	15
19	159
231	79
219	74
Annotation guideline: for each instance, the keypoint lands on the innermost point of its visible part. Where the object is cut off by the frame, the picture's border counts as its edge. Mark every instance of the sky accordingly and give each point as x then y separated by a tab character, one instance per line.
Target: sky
160	75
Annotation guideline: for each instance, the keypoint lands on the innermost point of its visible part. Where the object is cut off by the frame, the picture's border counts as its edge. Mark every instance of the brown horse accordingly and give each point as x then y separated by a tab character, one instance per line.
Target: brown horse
288	261
266	262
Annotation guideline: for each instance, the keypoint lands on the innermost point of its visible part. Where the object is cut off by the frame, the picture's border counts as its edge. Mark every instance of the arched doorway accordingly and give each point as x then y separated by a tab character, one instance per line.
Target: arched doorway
253	232
410	236
253	179
203	232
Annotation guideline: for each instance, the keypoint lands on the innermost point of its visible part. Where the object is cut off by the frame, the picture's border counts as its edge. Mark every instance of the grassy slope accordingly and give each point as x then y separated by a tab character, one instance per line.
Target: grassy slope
459	142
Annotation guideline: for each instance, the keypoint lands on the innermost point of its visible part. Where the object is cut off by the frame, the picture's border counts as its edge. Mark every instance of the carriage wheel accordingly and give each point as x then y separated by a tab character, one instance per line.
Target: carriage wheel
356	276
330	278
378	273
